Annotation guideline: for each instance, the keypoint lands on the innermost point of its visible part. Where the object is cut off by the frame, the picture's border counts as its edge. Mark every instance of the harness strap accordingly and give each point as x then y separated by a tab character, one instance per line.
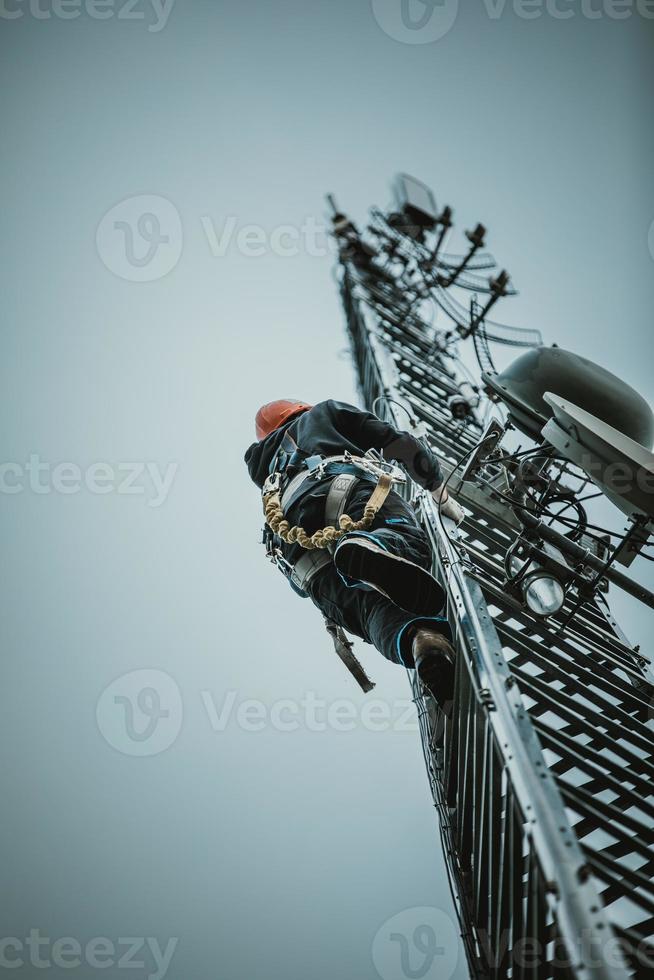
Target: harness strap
291	493
326	536
378	497
337	497
306	479
307	567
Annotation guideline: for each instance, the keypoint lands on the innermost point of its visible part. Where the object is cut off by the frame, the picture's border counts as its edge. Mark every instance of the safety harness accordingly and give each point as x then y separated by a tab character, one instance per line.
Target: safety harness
282	490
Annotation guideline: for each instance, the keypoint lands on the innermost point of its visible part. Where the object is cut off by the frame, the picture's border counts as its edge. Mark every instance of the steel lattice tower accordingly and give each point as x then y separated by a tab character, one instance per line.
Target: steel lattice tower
544	778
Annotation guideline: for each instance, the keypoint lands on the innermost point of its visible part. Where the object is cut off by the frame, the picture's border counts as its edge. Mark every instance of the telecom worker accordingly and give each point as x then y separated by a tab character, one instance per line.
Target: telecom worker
343	536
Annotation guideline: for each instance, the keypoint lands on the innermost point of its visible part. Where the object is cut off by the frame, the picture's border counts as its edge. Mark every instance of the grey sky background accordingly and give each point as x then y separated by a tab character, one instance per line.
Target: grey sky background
265	853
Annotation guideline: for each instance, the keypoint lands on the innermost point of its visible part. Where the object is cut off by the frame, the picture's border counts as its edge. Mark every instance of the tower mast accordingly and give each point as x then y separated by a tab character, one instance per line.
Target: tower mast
544	777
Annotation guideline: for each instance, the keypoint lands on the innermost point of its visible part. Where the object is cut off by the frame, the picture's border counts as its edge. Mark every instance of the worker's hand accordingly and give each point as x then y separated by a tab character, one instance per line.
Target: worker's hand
447	505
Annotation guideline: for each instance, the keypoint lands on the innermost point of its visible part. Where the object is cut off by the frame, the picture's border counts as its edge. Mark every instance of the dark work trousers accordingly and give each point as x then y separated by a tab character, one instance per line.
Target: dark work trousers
359	609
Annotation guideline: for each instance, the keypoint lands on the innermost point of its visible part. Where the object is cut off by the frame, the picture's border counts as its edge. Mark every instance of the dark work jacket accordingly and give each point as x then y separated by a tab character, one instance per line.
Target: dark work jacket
331	427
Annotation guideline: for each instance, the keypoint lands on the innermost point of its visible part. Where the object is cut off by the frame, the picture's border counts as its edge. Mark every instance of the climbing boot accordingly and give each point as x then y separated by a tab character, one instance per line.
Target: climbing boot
434	659
404	583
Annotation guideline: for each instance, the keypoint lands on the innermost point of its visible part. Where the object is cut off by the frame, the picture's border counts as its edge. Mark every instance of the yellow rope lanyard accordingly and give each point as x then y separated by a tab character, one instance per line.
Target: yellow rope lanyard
275	519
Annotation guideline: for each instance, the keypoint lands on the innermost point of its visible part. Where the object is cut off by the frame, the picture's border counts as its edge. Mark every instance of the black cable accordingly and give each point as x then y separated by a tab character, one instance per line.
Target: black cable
563	520
516	504
572	524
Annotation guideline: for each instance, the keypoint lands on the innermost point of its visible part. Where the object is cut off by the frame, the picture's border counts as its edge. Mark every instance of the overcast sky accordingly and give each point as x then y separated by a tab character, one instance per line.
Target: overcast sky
163	273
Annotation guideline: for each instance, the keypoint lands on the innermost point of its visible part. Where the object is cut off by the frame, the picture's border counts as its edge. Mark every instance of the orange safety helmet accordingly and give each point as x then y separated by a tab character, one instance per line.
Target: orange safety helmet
274	414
